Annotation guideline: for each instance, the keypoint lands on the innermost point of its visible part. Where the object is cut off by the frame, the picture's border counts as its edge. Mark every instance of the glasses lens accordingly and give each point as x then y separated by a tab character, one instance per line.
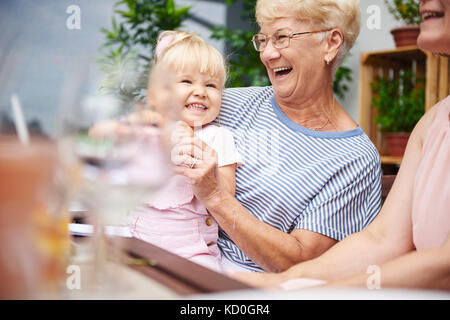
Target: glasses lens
281	39
259	42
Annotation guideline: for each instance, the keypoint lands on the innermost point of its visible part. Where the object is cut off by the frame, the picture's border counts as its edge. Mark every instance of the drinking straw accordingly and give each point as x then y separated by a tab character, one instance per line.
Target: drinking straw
19	120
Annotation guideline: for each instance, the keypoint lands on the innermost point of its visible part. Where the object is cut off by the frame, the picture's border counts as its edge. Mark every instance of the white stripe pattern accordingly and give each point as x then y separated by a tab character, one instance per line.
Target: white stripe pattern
296	178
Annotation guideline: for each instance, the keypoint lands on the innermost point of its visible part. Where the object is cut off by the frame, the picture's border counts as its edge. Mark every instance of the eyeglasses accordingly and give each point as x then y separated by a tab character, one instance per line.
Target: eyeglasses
280	39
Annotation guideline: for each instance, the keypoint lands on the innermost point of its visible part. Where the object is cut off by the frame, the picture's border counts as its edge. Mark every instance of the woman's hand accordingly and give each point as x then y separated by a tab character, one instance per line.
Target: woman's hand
280	281
258	279
200	165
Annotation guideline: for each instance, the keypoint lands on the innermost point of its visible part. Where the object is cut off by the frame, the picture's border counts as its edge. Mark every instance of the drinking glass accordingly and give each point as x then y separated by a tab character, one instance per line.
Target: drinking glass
34	240
115	165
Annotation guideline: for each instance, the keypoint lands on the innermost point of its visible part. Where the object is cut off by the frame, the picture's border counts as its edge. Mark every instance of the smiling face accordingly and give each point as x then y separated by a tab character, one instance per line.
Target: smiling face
435	28
294	69
198	96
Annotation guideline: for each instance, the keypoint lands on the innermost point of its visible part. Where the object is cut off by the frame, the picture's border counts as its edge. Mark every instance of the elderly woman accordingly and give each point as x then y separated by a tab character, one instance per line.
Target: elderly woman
310	177
409	242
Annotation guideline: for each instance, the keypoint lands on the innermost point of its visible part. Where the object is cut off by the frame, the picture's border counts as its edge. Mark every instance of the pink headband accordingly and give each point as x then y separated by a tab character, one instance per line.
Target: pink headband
162	44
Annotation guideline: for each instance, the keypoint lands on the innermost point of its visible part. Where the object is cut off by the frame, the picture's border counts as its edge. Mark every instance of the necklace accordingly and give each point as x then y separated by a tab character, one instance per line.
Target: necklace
324	125
326	122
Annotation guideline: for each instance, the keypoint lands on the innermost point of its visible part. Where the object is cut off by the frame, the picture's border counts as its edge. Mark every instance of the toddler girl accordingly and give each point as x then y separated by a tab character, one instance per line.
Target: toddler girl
173	218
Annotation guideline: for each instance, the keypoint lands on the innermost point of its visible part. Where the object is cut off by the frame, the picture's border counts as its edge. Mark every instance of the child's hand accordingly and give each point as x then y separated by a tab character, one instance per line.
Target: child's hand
181	131
105	129
140	123
145	118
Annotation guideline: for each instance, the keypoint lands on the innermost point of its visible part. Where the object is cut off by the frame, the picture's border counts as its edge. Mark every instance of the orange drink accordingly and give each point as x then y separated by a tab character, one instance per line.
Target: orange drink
33	228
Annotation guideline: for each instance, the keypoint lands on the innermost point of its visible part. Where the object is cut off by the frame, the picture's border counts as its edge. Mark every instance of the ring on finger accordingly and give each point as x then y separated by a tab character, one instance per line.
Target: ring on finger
194	163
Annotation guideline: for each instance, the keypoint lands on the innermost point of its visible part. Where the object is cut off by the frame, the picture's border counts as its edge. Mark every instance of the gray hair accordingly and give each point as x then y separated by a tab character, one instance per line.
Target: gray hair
324	14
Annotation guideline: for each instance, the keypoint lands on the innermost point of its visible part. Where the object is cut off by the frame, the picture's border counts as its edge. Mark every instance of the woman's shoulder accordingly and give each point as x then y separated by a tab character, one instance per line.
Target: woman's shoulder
344	121
243	93
238	103
439	111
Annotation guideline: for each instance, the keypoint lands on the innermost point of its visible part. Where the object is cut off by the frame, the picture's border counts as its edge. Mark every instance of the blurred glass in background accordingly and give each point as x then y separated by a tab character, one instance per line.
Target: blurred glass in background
34	239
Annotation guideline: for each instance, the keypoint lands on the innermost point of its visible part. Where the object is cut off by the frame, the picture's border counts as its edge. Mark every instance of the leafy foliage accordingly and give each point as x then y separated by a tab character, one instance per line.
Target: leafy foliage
129	45
245	67
342	78
406	11
400	102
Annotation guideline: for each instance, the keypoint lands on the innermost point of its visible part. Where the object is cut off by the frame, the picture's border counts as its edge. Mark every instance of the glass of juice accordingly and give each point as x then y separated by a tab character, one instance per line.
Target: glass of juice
34	242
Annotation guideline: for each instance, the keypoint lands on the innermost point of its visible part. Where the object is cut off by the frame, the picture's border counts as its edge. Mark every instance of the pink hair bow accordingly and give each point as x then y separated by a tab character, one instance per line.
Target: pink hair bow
162	44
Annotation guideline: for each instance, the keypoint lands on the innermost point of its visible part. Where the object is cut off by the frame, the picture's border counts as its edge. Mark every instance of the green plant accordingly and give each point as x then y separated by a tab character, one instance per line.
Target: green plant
400	102
342	79
126	55
406	11
245	67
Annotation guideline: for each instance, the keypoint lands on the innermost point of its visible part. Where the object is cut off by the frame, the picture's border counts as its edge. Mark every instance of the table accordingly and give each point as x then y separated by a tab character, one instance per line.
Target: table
161	274
179	274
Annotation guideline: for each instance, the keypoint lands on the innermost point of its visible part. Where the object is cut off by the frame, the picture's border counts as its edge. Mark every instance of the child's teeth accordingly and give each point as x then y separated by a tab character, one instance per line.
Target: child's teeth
198	106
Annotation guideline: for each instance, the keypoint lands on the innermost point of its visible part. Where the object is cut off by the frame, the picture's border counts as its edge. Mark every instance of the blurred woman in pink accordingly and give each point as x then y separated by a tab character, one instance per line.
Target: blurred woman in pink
410	239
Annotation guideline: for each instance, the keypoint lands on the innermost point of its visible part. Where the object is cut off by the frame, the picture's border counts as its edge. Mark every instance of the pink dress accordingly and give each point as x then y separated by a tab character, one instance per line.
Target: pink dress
431	204
175	220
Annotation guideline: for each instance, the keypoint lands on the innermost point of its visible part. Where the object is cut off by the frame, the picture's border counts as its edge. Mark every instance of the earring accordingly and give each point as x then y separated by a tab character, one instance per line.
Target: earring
327	61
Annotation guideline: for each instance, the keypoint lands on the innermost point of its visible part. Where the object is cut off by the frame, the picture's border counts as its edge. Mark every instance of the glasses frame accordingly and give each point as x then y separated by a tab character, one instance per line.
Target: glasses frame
292	35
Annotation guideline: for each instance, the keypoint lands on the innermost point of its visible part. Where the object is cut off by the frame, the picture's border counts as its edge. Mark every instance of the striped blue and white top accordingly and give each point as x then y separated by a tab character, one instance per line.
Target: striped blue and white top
297	178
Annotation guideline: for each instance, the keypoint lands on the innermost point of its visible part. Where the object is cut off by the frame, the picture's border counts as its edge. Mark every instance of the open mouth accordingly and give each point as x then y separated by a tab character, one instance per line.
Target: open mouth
196	107
431	15
279	72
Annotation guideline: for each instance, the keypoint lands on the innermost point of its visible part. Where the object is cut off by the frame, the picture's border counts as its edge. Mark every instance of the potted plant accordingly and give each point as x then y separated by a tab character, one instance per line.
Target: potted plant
400	103
407	12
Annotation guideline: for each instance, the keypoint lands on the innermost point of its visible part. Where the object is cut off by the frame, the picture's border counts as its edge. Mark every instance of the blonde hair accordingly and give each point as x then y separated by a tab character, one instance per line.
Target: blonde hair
323	14
179	49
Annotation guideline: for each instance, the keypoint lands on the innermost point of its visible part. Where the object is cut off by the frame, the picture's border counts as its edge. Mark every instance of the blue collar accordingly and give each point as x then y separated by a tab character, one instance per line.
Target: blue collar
319	134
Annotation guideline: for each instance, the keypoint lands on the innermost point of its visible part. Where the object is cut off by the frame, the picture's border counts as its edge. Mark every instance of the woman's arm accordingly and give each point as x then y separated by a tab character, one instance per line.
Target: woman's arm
428	269
227	176
387	237
270	248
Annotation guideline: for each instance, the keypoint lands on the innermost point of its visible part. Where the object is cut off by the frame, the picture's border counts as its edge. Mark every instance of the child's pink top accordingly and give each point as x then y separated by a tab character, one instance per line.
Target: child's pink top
431	204
174	219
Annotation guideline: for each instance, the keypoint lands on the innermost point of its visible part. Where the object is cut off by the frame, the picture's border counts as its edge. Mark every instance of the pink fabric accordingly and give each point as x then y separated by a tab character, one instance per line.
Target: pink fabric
163	43
176	221
431	204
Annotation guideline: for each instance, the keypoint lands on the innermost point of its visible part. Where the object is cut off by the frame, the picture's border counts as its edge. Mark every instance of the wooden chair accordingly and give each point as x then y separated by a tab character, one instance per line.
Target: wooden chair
386	185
